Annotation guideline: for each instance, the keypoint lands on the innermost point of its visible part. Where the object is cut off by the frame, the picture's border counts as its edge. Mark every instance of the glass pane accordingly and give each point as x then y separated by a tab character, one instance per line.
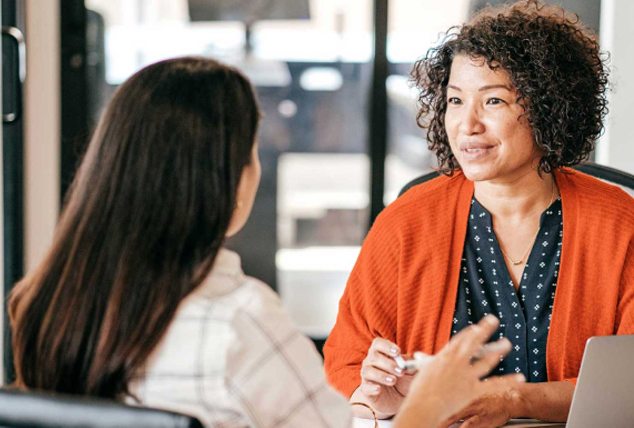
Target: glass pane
311	64
414	27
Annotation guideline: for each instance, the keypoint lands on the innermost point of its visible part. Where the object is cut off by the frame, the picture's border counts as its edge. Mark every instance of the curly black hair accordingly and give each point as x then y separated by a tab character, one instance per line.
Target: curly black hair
553	61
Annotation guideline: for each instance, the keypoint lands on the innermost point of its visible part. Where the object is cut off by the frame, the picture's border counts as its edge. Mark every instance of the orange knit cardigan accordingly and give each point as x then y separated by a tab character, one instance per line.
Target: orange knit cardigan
404	284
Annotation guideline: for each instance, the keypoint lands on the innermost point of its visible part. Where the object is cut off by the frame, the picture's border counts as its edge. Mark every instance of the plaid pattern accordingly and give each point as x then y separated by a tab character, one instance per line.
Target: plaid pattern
232	358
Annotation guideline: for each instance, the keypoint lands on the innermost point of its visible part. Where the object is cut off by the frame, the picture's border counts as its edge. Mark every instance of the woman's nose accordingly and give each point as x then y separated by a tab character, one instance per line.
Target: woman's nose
470	122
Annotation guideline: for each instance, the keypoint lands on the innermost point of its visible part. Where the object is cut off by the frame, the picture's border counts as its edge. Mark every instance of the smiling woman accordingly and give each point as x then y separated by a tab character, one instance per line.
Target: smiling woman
553	62
482	123
510	100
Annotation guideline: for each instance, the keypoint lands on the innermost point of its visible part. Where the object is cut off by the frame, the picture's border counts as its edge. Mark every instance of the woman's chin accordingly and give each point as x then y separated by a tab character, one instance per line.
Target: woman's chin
478	172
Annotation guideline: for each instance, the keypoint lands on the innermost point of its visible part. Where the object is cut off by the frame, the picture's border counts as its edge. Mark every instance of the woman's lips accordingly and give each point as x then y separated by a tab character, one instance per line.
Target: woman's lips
476	153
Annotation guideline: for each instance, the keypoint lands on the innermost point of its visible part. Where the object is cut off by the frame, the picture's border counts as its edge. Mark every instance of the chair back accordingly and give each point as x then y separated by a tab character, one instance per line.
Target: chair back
38	410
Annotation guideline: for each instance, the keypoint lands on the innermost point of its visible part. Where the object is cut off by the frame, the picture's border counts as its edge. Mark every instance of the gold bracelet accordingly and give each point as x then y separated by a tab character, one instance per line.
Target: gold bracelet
358	403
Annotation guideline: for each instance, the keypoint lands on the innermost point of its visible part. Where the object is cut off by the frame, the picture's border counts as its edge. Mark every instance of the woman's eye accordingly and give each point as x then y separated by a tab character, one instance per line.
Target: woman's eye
453	100
495	101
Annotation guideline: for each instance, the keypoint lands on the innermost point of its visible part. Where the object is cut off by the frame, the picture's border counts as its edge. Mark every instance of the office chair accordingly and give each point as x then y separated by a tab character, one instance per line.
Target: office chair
38	410
605	173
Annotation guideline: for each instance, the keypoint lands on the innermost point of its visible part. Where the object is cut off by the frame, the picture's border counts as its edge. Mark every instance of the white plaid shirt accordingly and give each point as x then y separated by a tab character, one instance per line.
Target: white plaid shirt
232	358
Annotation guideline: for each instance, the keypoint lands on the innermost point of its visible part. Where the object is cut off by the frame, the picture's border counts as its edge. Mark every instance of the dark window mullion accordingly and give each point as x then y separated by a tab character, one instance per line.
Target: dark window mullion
74	98
12	171
378	120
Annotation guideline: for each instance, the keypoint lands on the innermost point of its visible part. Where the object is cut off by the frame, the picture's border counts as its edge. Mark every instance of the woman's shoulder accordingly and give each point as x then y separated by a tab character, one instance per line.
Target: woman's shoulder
427	201
433	189
257	300
597	196
228	295
248	316
594	186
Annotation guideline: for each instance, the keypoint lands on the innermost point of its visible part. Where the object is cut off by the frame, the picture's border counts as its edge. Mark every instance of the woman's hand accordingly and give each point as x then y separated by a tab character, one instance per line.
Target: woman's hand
449	381
492	410
383	384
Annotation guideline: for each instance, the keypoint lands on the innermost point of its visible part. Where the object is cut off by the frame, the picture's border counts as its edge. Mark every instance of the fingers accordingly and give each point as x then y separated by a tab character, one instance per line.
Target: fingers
478	332
381	362
422	357
411	366
470	340
377	376
379	367
384	347
370	389
485	328
380	357
490	357
476	421
465	414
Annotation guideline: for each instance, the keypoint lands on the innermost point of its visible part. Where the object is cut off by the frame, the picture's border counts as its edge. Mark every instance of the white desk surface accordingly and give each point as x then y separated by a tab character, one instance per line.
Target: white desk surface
515	423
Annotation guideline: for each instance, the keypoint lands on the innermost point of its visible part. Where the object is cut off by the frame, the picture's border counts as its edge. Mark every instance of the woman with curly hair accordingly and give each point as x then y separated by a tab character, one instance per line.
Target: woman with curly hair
511	100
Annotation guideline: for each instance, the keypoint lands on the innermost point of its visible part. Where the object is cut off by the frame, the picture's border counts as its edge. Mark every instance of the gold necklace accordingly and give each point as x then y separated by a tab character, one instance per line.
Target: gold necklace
515	263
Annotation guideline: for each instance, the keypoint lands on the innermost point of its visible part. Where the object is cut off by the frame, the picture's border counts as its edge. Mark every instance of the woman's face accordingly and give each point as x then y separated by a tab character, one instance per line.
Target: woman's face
482	125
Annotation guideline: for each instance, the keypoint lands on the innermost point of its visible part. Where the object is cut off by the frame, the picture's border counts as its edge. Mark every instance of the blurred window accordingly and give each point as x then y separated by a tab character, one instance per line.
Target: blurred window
414	28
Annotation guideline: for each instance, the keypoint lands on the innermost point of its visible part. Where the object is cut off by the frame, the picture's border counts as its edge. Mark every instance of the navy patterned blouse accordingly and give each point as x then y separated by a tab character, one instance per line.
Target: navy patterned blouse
486	287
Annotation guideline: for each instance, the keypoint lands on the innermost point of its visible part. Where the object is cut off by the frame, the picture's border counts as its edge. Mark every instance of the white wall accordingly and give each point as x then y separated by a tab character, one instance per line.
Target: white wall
42	130
616	148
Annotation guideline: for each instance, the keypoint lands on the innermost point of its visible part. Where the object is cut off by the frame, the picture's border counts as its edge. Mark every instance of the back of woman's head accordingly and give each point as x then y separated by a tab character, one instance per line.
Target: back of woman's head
145	217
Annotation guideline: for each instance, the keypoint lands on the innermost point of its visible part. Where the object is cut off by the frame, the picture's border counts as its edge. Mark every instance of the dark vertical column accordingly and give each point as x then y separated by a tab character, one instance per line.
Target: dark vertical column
12	166
74	94
378	126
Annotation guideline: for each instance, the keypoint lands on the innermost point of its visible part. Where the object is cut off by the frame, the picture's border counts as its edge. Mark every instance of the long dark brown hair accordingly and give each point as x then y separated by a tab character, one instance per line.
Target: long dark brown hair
144	220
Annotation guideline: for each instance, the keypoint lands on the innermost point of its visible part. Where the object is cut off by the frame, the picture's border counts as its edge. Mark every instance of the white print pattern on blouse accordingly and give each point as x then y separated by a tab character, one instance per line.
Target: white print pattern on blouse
537	305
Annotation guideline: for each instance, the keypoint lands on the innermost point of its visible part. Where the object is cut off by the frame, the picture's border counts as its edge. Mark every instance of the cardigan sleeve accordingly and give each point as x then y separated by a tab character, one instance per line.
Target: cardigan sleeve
624	323
367	309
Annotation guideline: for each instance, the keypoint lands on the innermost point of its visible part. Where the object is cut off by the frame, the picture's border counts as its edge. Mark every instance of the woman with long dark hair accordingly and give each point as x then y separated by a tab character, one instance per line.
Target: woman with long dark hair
137	301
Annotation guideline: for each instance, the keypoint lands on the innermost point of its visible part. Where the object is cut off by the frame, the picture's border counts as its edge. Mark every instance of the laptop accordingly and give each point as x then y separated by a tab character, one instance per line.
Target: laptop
604	396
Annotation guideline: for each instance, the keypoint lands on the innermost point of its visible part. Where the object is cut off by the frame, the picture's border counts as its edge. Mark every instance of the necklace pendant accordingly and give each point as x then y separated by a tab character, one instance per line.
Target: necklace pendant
516	263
